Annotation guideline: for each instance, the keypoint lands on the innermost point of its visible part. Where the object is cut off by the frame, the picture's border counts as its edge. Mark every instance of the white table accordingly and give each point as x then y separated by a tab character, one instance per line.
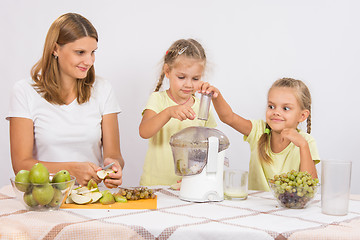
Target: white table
258	217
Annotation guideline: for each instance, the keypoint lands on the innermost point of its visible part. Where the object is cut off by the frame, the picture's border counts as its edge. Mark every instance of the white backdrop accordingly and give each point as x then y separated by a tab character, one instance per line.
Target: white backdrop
249	45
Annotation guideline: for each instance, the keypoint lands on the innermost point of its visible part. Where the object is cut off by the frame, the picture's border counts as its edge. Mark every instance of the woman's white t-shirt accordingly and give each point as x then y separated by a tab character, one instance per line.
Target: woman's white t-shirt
65	133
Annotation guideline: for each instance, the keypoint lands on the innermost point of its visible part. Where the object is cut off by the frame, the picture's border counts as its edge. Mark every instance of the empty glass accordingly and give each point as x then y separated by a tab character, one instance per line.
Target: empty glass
204	106
235	184
335	187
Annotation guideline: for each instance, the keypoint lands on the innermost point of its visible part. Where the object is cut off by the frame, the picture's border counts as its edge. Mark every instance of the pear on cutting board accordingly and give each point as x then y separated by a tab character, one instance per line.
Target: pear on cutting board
80	199
107	198
95	196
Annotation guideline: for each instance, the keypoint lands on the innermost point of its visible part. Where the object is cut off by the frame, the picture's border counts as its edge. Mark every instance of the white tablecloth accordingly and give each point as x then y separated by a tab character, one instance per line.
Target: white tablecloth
258	217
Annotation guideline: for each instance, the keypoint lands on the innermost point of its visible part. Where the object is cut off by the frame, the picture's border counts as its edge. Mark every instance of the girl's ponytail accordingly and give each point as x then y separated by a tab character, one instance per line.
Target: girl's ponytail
308	122
263	145
161	79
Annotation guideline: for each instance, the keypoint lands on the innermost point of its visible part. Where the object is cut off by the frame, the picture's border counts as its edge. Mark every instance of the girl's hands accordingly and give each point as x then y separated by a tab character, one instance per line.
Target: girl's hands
115	178
205	87
181	112
294	136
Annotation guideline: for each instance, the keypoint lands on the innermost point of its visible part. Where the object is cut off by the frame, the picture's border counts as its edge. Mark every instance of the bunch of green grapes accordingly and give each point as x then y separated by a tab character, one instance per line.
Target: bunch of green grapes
294	189
137	193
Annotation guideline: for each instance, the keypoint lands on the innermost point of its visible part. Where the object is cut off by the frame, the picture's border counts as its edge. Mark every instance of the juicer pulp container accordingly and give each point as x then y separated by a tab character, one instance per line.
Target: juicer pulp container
199	154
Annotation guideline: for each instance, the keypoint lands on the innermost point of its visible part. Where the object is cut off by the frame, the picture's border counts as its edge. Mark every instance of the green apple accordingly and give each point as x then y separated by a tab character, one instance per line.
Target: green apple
22	181
39	174
60	177
43	194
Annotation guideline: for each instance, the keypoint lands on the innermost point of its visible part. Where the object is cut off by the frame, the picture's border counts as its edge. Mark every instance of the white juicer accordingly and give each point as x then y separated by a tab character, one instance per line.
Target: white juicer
199	154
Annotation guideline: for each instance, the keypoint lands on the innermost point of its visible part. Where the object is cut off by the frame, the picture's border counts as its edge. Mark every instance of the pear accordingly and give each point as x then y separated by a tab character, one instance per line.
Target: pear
61	177
29	200
119	198
102	174
22	181
57	198
95	196
107	198
80	199
92	184
43	194
39	174
69	199
84	190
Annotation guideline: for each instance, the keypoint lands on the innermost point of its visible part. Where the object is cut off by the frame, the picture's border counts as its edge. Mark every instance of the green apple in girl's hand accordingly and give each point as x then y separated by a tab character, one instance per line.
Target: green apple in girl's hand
22	180
39	174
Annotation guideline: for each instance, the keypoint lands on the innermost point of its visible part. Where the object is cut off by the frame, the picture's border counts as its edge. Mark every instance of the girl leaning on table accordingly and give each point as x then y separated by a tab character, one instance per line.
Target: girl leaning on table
167	112
64	116
277	145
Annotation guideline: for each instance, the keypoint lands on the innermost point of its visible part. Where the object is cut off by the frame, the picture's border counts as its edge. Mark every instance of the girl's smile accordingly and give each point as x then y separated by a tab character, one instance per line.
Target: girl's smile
283	110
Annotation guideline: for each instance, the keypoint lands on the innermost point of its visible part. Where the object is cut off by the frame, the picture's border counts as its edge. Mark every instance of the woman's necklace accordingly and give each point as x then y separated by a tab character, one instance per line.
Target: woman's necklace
171	96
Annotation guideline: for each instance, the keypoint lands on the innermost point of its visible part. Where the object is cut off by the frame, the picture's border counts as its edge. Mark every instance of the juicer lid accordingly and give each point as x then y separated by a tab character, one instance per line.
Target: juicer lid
197	137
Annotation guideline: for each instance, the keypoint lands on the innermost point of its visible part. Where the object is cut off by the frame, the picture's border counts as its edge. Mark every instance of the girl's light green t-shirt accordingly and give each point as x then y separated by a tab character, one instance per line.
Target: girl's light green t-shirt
285	161
158	167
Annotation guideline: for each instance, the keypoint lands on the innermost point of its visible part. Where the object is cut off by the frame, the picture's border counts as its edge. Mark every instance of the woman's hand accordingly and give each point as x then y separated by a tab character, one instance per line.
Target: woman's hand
115	178
84	171
181	112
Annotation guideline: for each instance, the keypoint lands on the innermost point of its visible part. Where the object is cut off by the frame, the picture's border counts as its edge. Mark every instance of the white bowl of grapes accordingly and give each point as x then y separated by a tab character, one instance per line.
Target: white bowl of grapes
294	189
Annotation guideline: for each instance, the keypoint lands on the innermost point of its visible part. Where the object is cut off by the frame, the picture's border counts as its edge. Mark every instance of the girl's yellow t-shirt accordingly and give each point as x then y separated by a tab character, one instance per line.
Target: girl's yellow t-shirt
283	162
158	167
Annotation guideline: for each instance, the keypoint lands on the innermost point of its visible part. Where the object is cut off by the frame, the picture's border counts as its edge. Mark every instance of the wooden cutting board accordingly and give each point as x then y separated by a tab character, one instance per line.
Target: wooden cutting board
135	204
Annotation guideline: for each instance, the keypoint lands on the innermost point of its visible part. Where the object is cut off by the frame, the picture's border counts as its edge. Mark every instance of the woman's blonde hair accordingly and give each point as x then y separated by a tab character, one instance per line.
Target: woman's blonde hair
45	73
303	96
183	47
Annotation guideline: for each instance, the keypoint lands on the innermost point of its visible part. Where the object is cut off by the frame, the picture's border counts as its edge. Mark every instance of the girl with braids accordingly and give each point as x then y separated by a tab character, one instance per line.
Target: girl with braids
172	110
63	116
277	145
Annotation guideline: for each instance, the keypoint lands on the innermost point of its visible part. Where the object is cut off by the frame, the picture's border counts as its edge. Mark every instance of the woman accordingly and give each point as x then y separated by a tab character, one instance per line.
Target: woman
63	116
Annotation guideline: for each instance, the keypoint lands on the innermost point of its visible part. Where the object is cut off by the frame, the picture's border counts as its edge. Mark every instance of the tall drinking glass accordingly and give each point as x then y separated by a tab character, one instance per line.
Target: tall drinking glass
335	187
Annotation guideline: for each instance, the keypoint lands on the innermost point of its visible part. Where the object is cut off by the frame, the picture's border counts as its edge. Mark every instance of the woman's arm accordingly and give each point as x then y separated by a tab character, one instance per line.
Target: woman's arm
21	148
111	149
